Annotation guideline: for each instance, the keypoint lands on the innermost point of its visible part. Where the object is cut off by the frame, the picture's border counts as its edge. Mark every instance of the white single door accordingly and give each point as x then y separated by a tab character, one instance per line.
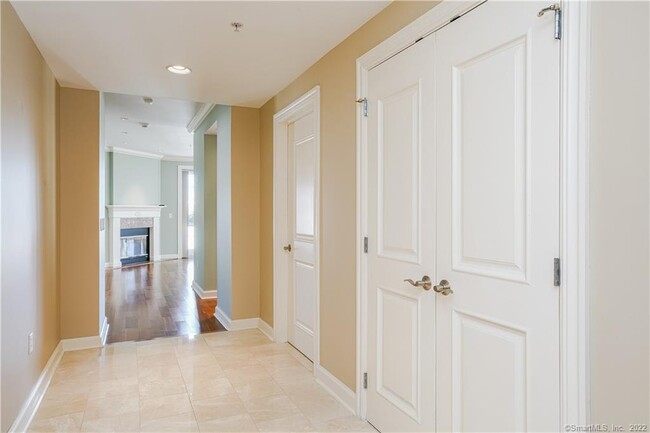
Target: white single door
497	171
301	298
401	177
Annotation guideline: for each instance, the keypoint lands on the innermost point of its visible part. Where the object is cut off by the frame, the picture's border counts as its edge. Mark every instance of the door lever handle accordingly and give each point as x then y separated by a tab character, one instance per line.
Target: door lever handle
425	282
443	288
287	248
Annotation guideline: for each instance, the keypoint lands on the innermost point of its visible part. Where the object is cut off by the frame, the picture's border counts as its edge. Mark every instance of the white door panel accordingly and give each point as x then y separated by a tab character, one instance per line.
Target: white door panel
497	105
305	180
463	185
398	158
302	229
401	197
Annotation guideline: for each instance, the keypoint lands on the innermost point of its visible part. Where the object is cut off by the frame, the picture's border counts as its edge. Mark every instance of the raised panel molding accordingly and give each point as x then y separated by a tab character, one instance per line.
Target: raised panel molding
490	203
398	318
489	361
304	158
396	153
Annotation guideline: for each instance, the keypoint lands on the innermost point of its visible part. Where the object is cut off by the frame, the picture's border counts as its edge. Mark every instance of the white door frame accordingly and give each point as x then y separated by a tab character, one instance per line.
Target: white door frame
574	146
179	203
309	102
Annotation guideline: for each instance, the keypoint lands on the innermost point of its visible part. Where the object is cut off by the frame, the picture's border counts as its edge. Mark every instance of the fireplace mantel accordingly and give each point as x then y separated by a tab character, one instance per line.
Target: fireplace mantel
115	215
134	211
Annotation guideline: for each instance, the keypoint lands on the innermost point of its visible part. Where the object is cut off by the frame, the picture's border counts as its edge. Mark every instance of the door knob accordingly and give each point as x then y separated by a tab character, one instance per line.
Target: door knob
287	248
425	282
443	288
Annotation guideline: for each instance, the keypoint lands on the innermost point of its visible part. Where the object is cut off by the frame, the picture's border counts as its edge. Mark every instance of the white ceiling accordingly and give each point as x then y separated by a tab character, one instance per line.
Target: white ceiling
167	133
124	46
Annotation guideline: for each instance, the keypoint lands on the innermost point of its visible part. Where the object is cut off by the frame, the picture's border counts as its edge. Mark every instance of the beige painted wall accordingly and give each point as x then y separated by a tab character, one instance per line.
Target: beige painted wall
29	207
335	73
245	160
79	147
618	241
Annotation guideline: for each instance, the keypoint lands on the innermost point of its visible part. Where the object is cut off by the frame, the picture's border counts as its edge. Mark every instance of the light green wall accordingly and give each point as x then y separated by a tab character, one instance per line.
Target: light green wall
210	212
208	193
108	172
108	199
224	220
199	209
136	180
146	181
169	197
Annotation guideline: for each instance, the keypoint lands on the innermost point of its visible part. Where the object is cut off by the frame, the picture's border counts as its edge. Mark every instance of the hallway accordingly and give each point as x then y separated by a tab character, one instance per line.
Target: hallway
156	300
230	381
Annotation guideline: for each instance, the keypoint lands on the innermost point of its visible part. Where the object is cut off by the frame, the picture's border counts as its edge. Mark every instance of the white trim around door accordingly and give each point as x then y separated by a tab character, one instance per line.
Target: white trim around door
179	202
307	103
574	228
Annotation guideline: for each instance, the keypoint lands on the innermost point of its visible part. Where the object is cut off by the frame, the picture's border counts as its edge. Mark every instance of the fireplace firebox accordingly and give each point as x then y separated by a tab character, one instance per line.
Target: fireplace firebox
134	245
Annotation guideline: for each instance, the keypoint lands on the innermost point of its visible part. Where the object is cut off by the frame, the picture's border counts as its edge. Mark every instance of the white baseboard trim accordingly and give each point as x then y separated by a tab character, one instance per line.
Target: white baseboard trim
29	408
266	329
103	334
168	256
204	294
222	318
82	343
31	405
235	325
336	388
241	324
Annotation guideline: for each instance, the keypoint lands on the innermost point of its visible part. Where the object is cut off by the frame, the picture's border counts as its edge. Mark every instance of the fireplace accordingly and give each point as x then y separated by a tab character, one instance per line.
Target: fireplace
134	245
125	246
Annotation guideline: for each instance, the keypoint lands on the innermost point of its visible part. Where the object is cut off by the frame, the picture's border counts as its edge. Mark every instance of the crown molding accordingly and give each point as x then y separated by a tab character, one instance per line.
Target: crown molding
132	152
142	154
199	117
175	158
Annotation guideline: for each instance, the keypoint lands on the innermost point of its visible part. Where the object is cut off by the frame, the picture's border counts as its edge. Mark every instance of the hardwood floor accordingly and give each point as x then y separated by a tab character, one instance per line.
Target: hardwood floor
156	300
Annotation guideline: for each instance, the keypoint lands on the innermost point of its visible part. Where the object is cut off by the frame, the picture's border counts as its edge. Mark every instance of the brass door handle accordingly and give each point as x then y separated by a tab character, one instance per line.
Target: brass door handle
443	288
287	248
425	282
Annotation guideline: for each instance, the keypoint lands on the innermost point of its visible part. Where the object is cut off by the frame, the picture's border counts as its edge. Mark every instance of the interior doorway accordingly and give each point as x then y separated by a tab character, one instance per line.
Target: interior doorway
186	211
149	182
296	224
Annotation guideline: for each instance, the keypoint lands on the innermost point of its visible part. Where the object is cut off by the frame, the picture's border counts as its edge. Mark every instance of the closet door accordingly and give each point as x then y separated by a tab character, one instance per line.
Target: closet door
401	230
497	105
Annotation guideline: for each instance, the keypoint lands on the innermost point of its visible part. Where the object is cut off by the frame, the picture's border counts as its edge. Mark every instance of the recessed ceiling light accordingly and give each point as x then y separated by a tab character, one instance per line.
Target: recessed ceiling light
124	118
179	69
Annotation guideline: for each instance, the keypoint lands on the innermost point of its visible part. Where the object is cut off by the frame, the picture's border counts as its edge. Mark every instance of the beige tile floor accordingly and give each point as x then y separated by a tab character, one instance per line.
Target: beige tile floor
222	382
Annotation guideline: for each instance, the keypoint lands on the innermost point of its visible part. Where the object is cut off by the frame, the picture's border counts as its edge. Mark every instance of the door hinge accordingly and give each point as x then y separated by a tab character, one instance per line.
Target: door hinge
363	101
557	275
365	244
365	380
555	7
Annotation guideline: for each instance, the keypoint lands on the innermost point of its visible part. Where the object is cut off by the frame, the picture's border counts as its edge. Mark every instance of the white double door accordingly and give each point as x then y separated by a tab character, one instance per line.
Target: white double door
463	186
